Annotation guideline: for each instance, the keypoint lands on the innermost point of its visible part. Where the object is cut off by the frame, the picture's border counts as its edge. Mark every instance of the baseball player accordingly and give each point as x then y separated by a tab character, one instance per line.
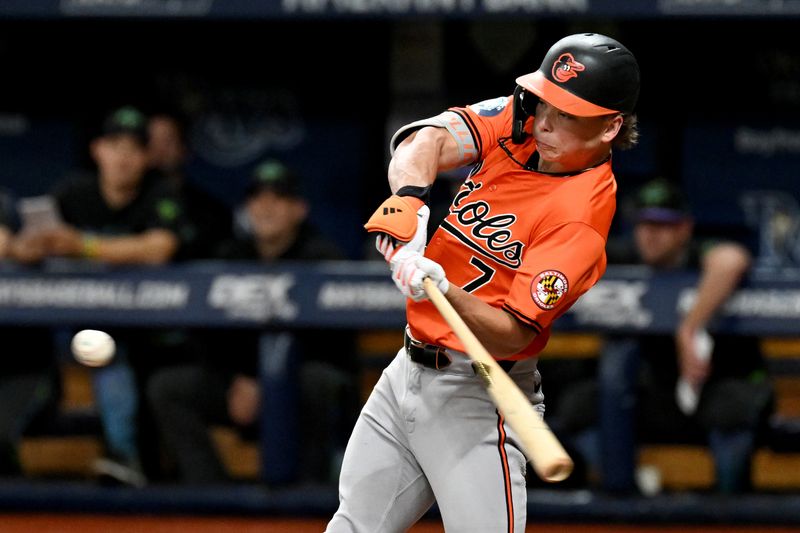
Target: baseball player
524	238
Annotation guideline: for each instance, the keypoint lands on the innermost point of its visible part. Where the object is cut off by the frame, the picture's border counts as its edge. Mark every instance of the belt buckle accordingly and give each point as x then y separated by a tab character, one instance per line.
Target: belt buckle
411	341
415	343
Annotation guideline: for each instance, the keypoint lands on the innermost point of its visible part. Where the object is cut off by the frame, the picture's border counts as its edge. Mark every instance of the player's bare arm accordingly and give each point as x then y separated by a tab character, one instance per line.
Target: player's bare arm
501	334
420	156
412	170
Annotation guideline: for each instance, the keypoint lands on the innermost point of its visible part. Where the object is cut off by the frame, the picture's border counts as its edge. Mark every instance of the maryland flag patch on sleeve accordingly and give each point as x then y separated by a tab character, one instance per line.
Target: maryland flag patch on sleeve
548	288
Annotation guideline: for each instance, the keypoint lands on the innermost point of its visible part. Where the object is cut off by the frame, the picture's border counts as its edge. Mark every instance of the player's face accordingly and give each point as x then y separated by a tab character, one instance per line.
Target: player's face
121	160
568	143
662	245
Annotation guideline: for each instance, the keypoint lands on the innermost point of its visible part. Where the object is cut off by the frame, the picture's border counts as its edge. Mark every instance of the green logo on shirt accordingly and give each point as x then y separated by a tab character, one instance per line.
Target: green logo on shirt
167	210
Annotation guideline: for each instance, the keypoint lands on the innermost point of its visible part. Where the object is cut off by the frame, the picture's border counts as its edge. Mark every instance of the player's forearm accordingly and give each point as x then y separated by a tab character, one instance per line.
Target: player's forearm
500	333
722	271
153	247
421	156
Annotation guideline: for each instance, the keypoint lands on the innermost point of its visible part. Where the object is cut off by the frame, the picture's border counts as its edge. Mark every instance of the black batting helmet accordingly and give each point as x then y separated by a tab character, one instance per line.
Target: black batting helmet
586	74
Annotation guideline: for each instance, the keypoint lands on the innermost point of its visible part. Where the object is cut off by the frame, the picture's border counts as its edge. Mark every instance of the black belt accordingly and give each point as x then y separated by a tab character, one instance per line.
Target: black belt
435	357
428	355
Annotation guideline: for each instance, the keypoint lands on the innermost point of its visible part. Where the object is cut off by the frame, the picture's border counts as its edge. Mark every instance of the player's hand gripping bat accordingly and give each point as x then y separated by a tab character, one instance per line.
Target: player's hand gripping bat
548	457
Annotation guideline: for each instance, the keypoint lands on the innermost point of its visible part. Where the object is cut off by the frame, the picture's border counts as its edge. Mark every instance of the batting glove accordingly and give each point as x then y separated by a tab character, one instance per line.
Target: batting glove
388	245
410	268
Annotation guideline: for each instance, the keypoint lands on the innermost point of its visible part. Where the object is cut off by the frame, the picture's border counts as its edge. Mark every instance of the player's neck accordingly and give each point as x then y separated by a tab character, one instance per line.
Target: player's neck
559	169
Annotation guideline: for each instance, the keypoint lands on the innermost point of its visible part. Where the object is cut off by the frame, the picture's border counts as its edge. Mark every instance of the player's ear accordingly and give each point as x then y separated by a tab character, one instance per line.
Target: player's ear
612	127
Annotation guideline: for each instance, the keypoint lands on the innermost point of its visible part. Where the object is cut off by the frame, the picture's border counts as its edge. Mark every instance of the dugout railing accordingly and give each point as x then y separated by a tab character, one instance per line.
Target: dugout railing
283	299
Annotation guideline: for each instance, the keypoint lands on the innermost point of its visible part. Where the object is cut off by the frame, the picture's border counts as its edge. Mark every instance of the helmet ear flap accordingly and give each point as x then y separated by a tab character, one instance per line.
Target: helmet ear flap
523	106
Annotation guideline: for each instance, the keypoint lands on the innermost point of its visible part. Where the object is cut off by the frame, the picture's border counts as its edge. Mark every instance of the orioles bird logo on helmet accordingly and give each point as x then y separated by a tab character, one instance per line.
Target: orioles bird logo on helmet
565	68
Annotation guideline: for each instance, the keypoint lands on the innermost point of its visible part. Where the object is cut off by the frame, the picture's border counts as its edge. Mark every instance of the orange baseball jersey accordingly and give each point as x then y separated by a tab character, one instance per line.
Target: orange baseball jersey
527	242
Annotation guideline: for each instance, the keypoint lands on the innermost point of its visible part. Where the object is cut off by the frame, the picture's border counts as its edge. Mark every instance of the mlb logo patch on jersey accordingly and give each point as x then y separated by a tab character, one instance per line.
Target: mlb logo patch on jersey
490	108
548	288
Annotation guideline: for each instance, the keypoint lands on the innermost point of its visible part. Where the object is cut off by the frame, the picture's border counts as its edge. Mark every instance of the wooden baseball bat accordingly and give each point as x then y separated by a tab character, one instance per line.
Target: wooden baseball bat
548	457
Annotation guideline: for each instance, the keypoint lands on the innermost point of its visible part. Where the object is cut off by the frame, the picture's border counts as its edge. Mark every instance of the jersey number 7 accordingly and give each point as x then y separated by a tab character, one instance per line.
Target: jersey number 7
486	275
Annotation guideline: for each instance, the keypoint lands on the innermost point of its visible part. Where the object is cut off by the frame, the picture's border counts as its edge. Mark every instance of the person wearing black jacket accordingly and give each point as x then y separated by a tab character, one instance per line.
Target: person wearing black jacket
169	155
224	389
121	214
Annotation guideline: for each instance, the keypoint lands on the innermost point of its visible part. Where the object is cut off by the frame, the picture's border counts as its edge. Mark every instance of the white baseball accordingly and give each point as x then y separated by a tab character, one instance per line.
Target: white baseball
93	347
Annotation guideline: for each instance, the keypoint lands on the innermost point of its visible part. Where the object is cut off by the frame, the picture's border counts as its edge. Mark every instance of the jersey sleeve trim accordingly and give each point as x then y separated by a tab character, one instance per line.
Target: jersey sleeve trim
531	323
473	130
452	122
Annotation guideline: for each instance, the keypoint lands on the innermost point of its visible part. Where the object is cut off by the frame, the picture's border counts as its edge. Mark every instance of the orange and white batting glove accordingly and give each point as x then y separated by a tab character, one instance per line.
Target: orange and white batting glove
410	268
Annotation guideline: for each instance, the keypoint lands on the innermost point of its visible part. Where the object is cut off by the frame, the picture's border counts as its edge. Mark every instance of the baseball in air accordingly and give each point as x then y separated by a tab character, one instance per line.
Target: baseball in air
93	347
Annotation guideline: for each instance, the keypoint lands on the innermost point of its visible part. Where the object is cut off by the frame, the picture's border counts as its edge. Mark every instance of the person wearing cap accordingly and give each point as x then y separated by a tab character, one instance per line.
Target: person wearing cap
223	389
692	386
524	238
273	220
169	155
117	214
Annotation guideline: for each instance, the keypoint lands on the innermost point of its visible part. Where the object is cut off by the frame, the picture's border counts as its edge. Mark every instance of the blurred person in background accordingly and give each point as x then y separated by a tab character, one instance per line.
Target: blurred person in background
122	214
211	220
119	215
729	397
6	221
187	400
29	377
